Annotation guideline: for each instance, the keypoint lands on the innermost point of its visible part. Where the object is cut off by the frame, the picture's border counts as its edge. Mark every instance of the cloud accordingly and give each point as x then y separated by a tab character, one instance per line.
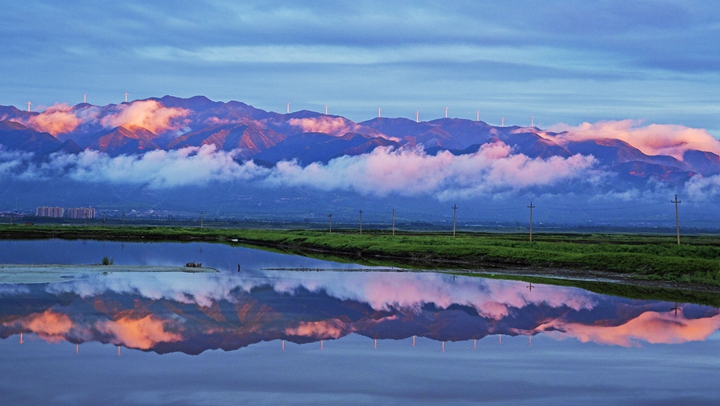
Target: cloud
412	291
148	114
651	327
57	119
411	172
698	187
13	161
653	139
196	166
337	126
141	333
331	328
324	124
404	171
49	325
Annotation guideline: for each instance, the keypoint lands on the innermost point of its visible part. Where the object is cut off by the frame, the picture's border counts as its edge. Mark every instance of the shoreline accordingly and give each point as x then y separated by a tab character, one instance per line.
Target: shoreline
634	260
51	273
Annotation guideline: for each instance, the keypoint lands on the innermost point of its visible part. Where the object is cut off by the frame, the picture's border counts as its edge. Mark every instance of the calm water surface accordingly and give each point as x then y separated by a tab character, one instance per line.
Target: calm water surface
279	337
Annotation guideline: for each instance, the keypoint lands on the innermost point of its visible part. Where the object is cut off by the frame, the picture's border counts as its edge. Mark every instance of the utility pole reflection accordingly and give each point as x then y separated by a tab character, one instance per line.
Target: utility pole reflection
676	308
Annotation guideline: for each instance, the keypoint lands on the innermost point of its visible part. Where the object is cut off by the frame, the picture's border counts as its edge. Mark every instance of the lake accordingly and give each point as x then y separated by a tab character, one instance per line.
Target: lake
343	335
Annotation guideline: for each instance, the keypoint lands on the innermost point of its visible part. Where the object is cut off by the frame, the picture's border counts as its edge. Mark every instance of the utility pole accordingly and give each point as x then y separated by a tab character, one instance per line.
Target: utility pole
531	207
201	219
393	221
677	218
360	211
454	217
330	221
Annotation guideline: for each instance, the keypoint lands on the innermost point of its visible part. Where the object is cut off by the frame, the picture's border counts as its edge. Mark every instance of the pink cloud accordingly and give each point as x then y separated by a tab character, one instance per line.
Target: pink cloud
336	126
57	119
411	171
322	124
49	325
332	328
653	139
413	291
651	327
141	333
148	114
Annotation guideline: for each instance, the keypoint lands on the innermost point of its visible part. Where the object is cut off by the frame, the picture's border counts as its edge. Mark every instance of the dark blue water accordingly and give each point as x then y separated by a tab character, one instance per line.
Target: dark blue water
278	337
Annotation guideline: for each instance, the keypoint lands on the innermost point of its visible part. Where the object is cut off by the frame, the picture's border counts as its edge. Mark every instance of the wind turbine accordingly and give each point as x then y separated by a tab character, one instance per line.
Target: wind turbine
84	97
379	111
326	109
417	116
532	121
288	107
477	115
502	122
446	114
29	104
126	97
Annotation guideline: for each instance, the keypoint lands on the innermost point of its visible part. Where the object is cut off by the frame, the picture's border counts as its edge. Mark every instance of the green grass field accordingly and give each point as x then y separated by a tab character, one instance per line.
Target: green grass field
697	260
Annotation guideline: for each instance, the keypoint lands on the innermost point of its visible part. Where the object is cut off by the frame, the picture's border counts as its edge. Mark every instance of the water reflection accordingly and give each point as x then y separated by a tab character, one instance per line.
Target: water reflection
192	313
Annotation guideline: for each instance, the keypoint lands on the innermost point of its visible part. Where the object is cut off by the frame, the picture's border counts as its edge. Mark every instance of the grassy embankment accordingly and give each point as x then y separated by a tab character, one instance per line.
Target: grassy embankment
647	257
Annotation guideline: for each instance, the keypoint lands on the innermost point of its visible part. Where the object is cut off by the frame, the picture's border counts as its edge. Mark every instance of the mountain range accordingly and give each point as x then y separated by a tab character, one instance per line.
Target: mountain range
172	123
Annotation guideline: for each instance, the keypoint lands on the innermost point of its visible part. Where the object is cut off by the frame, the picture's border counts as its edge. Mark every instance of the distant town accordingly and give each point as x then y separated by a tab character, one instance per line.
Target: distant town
73	213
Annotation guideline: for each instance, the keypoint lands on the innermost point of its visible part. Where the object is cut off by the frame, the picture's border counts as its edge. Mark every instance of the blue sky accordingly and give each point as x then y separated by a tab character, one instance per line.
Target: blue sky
559	61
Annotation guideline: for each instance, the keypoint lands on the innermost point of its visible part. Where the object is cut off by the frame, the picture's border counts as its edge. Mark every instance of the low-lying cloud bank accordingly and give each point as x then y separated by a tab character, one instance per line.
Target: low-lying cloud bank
404	171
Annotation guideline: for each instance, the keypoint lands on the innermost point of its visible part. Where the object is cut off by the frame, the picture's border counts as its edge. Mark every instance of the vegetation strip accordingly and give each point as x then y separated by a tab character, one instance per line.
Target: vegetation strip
619	256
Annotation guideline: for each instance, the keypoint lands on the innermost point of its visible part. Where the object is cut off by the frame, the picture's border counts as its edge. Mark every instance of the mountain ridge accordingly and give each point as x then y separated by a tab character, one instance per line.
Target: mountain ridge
169	123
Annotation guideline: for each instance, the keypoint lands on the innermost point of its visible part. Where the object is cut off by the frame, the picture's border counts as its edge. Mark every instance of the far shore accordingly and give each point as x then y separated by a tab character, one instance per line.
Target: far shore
50	273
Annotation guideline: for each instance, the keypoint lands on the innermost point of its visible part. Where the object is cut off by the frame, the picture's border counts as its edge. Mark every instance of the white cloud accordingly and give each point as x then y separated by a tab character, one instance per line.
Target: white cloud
384	171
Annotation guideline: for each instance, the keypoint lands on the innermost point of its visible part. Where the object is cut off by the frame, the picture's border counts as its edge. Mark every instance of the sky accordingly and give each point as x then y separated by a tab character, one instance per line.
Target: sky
557	61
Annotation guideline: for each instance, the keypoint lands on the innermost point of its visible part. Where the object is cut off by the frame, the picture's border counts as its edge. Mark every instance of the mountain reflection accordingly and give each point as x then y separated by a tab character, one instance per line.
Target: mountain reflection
193	313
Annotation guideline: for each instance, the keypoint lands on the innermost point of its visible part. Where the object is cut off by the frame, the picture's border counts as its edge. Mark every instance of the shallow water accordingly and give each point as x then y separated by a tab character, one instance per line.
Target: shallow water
273	337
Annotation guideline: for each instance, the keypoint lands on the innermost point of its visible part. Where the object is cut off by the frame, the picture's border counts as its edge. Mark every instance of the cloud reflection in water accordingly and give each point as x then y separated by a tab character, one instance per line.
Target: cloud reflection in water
193	313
